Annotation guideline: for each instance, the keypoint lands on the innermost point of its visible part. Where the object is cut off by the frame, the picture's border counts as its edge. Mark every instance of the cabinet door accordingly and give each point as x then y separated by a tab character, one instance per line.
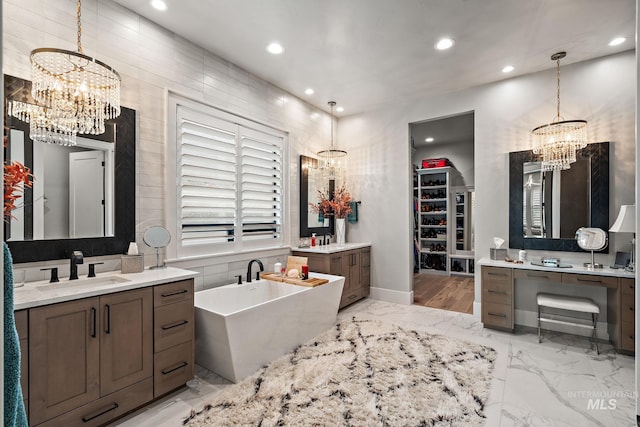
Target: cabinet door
355	265
64	358
126	339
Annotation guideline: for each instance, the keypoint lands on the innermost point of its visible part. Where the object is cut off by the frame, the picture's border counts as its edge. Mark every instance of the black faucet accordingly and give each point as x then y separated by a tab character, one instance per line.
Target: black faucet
257	272
76	258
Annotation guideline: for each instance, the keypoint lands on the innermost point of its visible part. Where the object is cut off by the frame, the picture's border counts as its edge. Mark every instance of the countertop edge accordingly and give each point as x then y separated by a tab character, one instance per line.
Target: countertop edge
29	296
330	249
576	269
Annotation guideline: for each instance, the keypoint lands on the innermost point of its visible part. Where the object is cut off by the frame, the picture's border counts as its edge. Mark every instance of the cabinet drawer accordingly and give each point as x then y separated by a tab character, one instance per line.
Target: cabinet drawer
497	315
350	297
539	276
498	296
590	280
106	408
628	311
628	288
173	324
173	292
22	324
497	278
173	368
628	336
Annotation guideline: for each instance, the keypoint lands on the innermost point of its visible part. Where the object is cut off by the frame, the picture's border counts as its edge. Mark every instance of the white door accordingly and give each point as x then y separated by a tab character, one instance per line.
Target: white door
86	194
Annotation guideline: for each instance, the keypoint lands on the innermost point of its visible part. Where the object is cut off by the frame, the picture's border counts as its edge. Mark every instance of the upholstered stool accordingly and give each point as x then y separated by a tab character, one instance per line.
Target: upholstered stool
564	302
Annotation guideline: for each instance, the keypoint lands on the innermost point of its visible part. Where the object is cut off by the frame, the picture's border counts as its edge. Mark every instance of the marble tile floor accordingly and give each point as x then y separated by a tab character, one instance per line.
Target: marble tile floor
560	382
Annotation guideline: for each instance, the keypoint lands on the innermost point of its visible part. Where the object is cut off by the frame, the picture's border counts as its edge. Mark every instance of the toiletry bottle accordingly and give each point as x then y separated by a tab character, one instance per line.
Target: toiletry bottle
313	239
305	272
277	267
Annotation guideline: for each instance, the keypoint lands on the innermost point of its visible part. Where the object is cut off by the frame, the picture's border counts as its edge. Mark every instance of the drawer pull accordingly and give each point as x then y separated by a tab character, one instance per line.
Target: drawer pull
632	308
168	371
496	274
104	411
93	314
497	314
541	276
491	291
174	325
632	338
580	279
353	296
108	313
172	294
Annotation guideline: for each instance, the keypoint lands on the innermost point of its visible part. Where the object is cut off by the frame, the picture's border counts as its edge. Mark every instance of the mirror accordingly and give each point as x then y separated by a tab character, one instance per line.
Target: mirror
157	237
547	208
54	219
310	183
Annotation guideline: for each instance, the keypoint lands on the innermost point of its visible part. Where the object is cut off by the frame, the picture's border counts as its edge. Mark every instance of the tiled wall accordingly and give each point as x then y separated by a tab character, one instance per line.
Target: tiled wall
152	61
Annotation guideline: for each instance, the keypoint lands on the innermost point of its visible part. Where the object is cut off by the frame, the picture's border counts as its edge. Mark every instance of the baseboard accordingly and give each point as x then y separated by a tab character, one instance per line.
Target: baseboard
477	309
530	319
389	295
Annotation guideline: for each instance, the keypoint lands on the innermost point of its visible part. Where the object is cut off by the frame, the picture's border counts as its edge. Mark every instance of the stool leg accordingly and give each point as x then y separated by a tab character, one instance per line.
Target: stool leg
539	337
594	317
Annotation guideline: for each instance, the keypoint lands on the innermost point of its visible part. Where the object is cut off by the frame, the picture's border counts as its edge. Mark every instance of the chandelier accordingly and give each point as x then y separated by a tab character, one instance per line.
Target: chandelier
331	164
74	93
558	141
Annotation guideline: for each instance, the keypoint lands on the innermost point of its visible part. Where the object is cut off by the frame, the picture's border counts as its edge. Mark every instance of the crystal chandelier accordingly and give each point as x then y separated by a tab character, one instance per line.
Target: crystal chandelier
331	163
558	141
75	93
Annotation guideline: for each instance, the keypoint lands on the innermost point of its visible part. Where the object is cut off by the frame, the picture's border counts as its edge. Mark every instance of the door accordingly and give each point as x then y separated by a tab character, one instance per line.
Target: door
126	339
64	358
86	194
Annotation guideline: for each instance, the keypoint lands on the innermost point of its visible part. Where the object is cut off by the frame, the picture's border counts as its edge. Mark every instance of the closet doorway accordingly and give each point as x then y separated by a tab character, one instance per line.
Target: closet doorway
443	204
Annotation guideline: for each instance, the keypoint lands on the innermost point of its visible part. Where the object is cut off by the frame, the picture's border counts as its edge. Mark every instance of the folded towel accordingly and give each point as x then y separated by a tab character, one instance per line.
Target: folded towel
14	413
352	218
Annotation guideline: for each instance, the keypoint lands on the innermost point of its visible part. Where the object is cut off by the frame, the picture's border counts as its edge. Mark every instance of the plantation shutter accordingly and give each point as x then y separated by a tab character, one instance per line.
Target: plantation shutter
261	185
207	174
229	184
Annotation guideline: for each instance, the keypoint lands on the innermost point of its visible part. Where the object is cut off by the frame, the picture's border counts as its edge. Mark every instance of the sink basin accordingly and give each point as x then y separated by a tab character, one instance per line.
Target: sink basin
93	281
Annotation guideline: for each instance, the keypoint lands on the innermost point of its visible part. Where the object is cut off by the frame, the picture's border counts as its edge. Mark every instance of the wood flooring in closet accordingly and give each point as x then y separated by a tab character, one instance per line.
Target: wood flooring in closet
453	293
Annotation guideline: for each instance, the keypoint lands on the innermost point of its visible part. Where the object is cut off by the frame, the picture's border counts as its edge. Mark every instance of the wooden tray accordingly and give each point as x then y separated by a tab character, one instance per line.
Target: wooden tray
312	282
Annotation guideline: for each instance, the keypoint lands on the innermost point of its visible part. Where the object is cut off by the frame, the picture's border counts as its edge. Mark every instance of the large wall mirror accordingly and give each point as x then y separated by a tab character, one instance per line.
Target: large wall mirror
546	208
83	196
311	181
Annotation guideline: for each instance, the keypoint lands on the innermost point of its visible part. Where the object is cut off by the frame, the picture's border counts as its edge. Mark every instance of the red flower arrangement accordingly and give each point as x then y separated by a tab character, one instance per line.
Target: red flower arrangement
339	206
16	177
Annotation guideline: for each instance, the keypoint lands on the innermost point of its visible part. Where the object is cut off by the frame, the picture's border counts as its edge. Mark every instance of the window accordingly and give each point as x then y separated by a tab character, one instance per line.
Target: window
229	182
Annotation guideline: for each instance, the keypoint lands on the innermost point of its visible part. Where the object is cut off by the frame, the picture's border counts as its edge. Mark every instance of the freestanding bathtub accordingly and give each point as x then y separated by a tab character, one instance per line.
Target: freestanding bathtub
240	328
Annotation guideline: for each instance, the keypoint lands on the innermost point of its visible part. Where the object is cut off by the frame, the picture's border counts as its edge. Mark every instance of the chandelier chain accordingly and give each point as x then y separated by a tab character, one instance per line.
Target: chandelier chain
332	105
78	20
558	90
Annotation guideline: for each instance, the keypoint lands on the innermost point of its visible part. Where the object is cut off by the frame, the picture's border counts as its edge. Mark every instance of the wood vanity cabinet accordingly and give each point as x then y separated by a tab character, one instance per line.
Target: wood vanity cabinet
92	360
22	326
625	337
497	298
352	264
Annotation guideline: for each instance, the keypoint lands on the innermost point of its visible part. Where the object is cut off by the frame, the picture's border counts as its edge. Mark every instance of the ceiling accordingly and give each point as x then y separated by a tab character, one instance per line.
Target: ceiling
456	129
365	53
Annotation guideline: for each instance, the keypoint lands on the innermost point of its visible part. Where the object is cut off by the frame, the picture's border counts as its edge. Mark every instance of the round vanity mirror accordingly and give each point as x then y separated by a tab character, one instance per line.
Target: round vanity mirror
591	239
157	237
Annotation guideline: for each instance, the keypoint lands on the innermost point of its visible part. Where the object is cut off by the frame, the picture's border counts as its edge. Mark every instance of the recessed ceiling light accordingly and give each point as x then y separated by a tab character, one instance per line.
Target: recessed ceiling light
339	109
444	43
508	69
159	4
275	48
430	139
617	41
309	91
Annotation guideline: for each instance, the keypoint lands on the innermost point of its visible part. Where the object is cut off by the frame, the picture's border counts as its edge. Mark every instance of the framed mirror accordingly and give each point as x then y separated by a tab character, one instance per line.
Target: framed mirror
547	208
310	182
83	196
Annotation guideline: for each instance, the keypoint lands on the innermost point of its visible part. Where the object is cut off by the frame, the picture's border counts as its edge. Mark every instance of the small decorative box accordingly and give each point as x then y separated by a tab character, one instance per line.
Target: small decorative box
131	264
498	254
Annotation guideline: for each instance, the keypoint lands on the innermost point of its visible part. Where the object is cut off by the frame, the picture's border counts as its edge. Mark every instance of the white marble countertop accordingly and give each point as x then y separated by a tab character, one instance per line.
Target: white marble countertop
576	268
35	294
332	248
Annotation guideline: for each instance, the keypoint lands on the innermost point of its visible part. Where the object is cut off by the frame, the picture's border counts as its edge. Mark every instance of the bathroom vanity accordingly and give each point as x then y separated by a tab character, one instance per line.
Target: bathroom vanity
351	260
95	349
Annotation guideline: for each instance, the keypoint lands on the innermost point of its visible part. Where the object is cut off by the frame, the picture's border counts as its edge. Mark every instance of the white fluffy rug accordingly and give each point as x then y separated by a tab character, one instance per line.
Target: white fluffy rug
362	373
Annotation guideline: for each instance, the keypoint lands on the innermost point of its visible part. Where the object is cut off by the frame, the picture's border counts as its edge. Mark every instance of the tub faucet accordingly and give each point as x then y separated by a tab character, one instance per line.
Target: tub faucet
76	258
257	272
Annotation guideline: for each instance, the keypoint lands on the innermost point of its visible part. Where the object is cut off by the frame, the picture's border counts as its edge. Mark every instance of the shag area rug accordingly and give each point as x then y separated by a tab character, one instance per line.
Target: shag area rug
362	373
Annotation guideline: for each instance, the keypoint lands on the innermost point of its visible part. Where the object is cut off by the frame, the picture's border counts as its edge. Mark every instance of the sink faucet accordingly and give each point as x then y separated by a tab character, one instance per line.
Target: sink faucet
76	258
257	272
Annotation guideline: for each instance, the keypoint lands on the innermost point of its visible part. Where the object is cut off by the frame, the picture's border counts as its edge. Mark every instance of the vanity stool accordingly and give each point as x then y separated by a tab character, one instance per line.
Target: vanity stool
563	302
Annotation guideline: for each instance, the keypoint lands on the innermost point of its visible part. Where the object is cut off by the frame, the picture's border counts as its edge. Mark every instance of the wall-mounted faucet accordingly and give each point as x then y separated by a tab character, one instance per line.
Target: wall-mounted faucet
257	272
76	258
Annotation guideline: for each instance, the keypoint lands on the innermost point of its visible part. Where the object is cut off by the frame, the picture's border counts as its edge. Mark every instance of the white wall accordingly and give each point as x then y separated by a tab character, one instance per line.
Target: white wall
601	91
460	154
151	61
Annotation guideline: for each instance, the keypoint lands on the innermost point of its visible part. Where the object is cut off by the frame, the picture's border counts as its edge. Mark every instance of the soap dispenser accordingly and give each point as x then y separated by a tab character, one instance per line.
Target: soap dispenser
313	239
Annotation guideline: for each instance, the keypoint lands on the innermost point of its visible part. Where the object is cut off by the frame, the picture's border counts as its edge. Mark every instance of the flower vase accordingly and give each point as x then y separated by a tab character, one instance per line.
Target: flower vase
341	228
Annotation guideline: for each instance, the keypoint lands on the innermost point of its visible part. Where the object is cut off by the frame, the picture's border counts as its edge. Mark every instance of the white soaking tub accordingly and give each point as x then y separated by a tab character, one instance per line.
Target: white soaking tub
240	328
